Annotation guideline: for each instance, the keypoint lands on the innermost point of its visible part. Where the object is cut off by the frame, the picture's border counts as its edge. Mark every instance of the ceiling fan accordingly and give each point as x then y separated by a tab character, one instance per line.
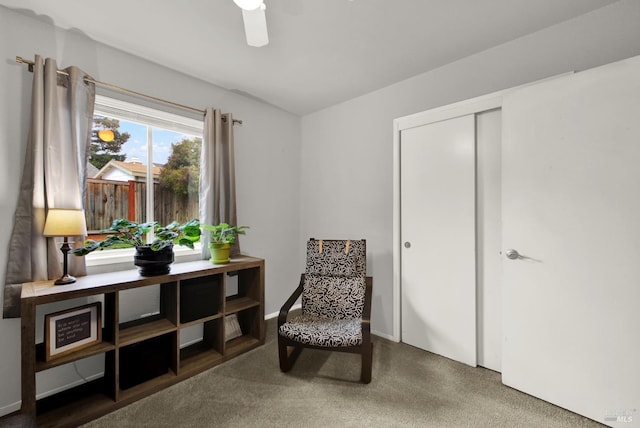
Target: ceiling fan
255	21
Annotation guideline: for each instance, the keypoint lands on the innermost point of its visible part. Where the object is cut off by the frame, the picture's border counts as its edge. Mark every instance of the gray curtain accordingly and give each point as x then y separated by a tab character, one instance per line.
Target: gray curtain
217	175
54	176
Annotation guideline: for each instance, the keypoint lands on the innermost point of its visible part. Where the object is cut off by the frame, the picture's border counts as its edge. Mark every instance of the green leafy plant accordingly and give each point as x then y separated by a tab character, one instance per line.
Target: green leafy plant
223	233
127	234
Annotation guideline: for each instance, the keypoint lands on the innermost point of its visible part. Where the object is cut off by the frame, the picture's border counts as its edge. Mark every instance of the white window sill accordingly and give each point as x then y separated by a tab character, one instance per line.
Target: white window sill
122	258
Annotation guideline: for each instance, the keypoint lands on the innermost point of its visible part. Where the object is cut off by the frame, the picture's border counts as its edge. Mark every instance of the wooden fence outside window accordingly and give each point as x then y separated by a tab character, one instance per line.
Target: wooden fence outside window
107	200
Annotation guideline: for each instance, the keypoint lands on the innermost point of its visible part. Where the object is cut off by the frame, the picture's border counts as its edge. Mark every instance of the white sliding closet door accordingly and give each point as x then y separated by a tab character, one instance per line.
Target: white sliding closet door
438	238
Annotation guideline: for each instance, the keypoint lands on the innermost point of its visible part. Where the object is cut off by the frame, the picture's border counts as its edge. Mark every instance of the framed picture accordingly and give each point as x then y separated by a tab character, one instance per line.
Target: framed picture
72	329
231	327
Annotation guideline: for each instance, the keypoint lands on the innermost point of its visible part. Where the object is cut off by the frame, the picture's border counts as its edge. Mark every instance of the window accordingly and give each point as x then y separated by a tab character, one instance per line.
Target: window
143	166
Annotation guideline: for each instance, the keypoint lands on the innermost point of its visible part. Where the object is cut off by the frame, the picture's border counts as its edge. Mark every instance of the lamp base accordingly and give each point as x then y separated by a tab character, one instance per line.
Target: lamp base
65	279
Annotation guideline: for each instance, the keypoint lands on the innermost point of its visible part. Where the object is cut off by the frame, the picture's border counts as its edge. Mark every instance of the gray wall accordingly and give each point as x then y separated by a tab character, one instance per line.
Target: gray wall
267	160
347	163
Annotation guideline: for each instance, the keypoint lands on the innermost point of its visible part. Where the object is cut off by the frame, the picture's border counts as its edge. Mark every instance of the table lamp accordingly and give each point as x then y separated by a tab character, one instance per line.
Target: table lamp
65	222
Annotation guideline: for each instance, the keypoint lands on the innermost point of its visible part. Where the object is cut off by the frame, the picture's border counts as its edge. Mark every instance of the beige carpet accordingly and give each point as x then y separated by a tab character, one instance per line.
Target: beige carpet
410	388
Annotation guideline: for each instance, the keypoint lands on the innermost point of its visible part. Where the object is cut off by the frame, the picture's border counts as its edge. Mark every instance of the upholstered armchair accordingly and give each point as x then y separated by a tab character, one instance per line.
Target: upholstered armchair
336	305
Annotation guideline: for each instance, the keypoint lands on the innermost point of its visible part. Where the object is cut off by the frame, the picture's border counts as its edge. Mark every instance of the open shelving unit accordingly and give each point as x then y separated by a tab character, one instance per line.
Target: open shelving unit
143	356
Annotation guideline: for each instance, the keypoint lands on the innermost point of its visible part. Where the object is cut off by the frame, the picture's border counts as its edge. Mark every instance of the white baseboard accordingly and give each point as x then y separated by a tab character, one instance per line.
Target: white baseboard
191	342
10	408
384	335
275	314
69	385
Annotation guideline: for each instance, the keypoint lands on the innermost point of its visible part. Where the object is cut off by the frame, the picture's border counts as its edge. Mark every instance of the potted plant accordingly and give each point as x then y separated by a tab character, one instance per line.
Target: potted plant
153	258
222	238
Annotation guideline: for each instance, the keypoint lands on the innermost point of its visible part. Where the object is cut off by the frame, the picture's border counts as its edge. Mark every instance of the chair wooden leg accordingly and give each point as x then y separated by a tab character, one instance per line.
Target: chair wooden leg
282	354
287	355
367	357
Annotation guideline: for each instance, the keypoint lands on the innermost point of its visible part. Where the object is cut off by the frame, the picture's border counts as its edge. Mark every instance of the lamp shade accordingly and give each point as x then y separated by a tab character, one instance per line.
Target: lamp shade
65	222
248	4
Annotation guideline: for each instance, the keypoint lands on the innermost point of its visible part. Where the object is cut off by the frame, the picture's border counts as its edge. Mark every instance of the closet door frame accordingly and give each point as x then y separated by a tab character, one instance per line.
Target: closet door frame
471	106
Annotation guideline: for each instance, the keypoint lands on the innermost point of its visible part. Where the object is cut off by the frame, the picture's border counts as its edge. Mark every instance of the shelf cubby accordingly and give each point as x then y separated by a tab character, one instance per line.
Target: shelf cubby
146	360
201	298
76	405
248	280
240	344
196	356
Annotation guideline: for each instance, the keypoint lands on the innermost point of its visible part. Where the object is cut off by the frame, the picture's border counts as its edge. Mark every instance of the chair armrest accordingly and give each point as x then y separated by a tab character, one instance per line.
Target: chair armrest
284	311
366	311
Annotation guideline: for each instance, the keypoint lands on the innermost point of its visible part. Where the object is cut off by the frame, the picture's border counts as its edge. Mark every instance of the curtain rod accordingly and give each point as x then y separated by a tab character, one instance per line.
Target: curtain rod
121	89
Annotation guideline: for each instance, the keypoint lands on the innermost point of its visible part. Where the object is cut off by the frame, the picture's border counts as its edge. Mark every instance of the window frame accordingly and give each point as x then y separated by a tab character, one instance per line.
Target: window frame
124	110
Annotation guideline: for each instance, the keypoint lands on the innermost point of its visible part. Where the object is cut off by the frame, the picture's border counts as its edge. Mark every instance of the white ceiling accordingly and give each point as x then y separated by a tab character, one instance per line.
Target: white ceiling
321	52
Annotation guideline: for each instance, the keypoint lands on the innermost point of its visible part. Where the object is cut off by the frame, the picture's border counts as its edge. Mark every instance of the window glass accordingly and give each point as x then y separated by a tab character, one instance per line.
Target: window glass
143	166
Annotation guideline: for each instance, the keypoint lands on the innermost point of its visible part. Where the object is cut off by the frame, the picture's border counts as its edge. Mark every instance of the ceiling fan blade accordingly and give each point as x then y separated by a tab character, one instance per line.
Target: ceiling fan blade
255	26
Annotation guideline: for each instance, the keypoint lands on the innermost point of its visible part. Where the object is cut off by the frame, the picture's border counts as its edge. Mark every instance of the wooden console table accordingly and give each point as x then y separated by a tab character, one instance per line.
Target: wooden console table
193	293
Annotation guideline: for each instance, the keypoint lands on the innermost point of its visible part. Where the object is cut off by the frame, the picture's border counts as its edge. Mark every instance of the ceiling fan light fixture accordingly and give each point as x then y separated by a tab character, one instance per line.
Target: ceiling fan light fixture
255	27
248	4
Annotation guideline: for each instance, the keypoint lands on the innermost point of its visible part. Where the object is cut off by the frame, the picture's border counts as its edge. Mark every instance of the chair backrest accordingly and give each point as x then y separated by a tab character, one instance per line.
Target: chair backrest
335	279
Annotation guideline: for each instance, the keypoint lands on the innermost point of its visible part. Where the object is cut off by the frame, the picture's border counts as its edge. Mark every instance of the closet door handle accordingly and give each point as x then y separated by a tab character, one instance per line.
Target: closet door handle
512	254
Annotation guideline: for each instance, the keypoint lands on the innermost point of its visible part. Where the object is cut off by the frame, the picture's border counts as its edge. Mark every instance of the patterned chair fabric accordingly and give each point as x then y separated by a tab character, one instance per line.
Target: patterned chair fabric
315	331
332	296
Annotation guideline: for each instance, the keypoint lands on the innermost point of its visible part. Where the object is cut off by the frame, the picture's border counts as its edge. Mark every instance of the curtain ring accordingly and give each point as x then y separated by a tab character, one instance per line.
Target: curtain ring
320	246
347	245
